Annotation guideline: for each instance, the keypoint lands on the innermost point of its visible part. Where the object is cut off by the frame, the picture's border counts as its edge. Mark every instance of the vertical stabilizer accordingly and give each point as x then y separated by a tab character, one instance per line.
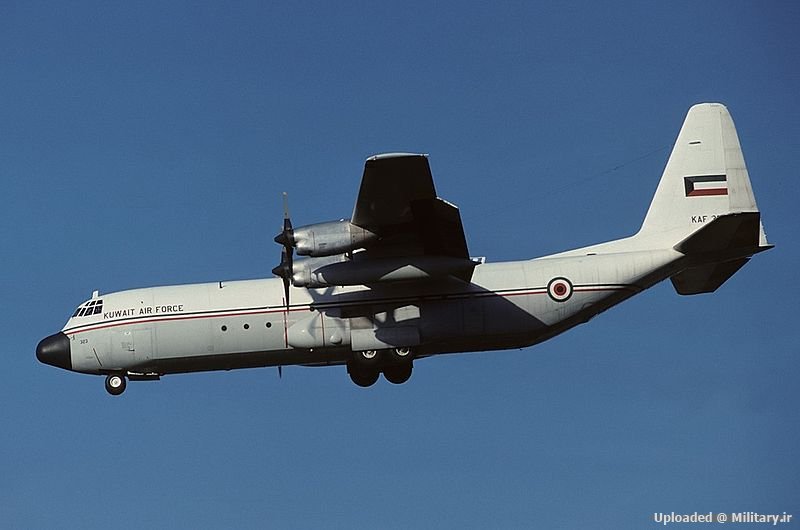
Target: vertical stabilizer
705	178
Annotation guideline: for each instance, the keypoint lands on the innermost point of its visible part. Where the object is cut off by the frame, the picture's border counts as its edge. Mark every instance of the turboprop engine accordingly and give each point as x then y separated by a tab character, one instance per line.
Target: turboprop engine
340	253
328	239
334	239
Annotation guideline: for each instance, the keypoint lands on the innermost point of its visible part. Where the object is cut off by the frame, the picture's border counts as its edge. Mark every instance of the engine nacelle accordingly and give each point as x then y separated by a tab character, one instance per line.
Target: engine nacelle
331	238
340	270
304	271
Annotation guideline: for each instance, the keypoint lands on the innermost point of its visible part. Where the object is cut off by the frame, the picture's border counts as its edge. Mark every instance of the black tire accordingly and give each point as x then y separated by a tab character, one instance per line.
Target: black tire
116	384
363	376
398	373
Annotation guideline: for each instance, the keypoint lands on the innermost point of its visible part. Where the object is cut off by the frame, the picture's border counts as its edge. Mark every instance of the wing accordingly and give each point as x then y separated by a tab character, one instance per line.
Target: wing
397	201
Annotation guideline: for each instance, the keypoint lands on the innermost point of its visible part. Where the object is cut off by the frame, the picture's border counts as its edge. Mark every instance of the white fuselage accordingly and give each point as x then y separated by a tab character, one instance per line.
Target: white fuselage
238	324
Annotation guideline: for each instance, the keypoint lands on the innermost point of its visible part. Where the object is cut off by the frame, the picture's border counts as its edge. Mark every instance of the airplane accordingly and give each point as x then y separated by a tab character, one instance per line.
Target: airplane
395	283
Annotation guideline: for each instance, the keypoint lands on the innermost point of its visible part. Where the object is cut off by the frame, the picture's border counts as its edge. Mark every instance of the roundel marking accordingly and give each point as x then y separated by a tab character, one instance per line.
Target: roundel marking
559	289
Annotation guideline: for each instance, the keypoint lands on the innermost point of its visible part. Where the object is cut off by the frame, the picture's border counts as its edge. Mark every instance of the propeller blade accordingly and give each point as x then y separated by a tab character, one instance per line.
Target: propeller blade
286	237
286	207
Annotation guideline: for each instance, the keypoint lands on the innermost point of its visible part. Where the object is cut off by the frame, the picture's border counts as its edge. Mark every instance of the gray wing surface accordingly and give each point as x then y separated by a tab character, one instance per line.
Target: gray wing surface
397	200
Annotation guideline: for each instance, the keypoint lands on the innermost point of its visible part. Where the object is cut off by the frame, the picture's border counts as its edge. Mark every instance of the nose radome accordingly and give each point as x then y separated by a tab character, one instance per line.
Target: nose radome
55	351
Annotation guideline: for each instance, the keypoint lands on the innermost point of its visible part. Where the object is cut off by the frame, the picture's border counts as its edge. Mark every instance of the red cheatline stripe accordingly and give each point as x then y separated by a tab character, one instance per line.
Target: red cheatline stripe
222	314
74	331
524	293
595	289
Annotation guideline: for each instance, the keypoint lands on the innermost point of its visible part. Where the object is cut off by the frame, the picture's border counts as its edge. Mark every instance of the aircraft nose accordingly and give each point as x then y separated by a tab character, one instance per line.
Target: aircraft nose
55	351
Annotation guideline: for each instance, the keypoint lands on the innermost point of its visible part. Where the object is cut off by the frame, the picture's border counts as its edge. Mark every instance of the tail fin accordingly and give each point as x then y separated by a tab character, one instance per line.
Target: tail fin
705	178
704	205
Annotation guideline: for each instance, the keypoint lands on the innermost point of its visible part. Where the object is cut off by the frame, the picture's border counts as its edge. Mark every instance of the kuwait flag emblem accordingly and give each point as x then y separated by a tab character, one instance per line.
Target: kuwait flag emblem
704	185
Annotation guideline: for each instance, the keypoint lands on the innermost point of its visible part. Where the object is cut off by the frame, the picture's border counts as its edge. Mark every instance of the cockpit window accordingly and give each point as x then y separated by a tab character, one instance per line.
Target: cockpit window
92	307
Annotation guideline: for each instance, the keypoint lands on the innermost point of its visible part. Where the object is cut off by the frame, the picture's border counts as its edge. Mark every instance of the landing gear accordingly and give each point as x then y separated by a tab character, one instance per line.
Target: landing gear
396	365
367	357
115	384
398	373
363	376
401	355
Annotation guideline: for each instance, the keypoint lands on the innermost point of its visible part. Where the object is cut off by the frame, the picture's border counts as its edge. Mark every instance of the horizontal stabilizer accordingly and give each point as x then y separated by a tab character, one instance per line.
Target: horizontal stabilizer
730	235
716	251
707	278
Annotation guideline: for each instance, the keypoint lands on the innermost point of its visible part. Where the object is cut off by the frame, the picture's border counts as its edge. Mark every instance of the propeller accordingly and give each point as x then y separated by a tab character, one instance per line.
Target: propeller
286	238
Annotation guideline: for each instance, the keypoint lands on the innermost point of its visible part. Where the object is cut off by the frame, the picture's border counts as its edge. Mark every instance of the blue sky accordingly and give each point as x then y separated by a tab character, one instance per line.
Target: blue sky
148	143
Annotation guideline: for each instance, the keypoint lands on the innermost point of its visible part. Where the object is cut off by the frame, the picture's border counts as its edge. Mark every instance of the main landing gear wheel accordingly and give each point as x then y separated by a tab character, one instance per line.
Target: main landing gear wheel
398	373
115	384
363	376
401	355
367	357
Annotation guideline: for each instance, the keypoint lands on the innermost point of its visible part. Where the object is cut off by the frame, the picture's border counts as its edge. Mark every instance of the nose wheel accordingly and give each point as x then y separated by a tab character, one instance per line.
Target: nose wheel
115	384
